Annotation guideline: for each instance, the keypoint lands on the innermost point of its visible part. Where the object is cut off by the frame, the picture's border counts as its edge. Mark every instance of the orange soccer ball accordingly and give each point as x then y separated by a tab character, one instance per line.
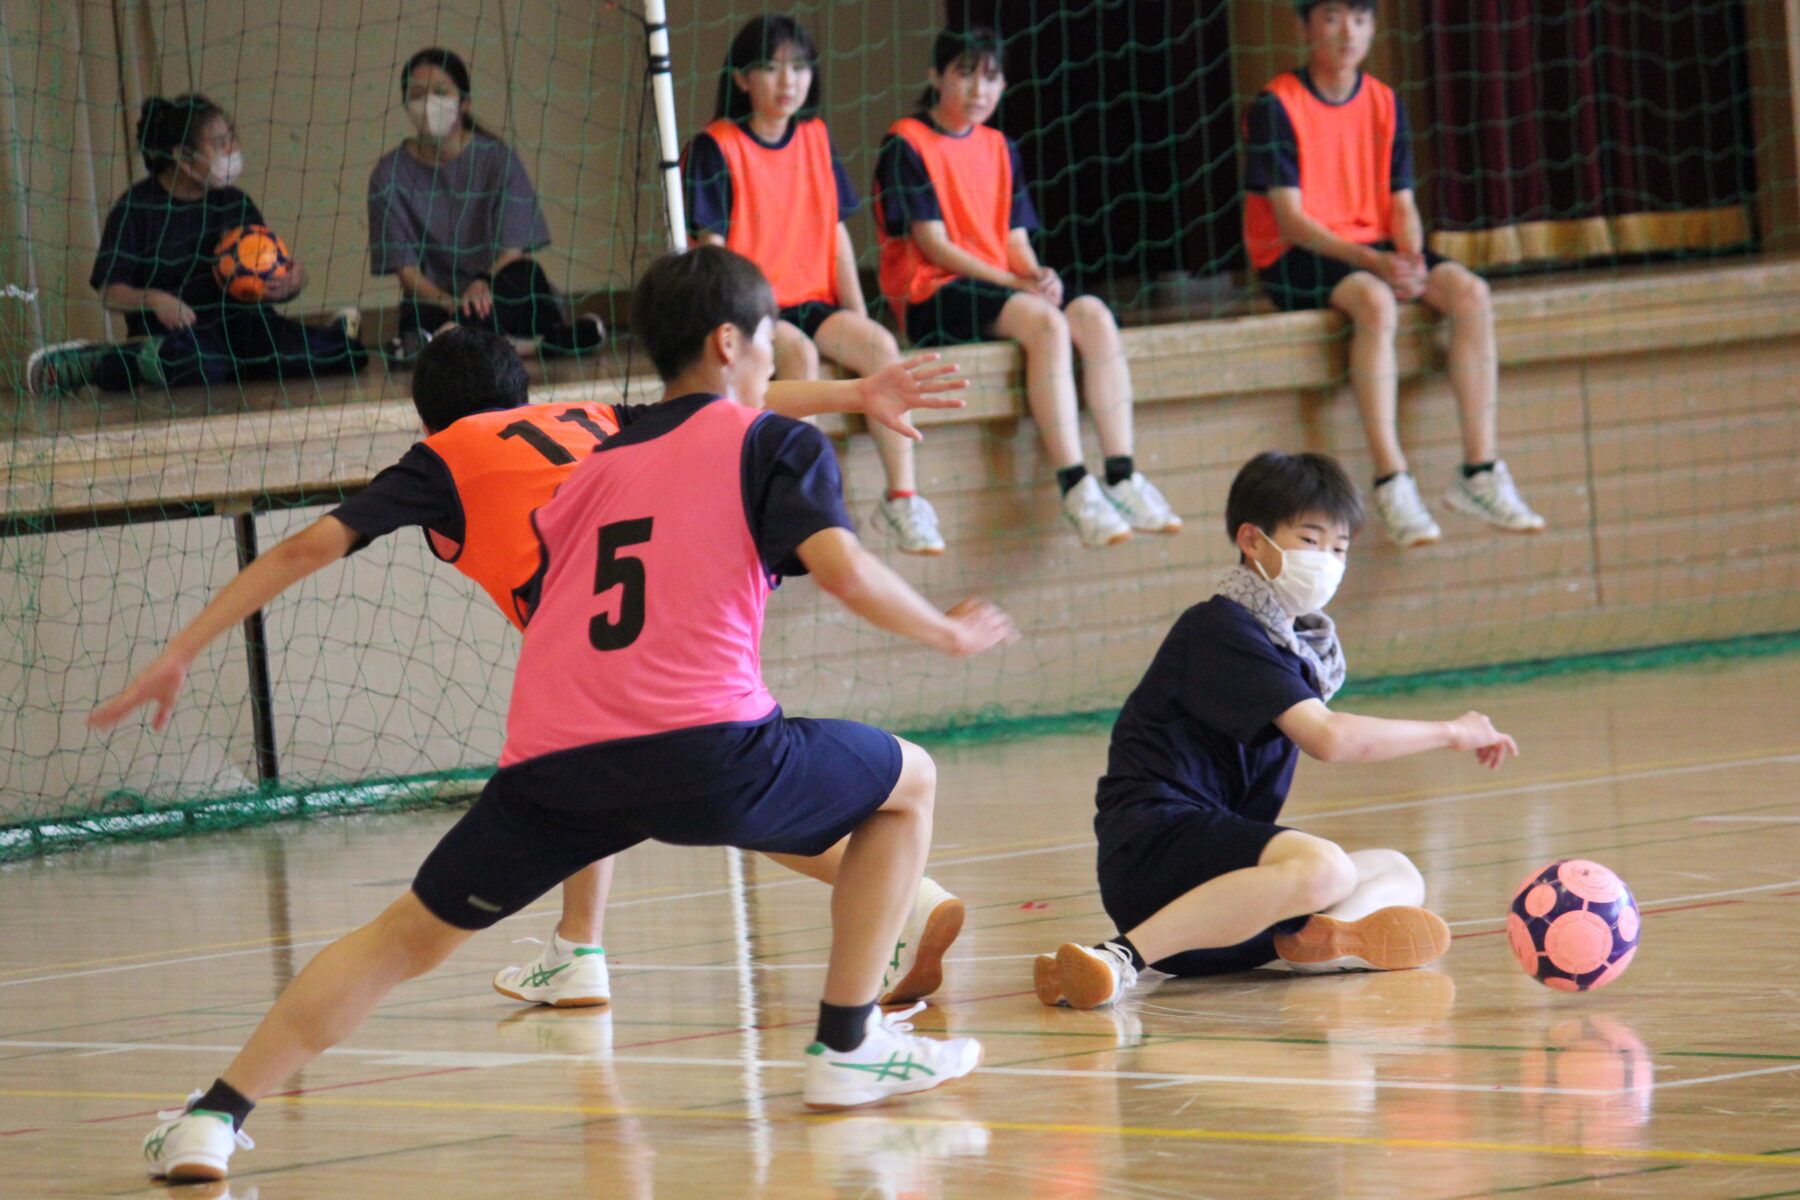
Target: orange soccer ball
248	259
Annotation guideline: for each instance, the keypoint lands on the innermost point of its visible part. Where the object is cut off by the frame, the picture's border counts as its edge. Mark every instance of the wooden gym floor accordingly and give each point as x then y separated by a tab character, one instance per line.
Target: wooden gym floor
128	975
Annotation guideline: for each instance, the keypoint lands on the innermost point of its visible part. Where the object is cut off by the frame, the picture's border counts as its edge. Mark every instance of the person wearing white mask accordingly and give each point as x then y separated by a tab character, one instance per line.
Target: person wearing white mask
1194	872
155	266
453	214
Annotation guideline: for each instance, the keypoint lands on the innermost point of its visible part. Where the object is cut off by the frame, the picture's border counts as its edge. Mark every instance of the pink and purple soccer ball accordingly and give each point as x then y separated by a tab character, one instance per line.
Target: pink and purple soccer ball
1573	925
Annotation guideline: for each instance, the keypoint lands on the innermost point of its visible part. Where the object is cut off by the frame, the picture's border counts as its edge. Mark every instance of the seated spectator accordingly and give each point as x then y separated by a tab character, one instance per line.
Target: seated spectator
955	223
764	179
452	212
155	265
1330	221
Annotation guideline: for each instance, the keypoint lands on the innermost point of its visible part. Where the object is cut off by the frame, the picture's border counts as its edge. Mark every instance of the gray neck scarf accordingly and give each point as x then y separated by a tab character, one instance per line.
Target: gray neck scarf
1313	637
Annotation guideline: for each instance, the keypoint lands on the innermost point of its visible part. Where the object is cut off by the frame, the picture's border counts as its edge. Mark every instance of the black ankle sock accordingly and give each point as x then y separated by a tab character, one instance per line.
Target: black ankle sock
1124	943
1381	479
1470	470
841	1027
1119	468
222	1097
1068	477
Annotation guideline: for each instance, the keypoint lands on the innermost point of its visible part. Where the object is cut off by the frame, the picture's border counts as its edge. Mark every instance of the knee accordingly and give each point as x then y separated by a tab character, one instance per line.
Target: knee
1374	308
915	792
1045	330
1474	298
1091	324
1323	877
1390	865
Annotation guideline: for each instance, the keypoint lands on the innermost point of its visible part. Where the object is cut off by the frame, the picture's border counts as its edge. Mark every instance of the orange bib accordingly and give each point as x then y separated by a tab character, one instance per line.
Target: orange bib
972	177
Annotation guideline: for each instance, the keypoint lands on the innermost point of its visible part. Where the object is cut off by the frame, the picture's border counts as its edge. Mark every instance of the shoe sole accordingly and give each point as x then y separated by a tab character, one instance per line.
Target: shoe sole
1046	979
195	1172
814	1106
1117	539
1428	540
1389	939
1083	981
560	1002
1470	509
927	552
942	927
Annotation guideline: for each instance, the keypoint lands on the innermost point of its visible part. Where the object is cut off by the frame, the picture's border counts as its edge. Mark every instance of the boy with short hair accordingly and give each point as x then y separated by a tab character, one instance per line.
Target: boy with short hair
639	712
1330	221
490	457
1193	869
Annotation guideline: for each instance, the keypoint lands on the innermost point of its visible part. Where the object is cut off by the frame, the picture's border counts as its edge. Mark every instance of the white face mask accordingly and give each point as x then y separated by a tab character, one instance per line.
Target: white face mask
435	116
225	169
1308	579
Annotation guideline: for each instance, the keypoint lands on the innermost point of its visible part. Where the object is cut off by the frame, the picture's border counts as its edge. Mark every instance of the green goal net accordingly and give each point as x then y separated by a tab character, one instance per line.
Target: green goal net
1620	172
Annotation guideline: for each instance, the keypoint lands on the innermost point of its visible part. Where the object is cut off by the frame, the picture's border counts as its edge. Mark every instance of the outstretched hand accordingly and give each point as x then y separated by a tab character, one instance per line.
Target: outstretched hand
980	626
1473	731
160	683
898	388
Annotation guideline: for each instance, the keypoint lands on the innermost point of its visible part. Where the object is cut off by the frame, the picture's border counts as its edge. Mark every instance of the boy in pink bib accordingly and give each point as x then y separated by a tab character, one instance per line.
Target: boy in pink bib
639	712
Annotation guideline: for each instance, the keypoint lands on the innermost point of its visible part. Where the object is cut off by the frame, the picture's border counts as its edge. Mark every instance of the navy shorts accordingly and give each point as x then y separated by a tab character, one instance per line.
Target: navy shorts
1300	279
792	787
1151	854
963	310
809	316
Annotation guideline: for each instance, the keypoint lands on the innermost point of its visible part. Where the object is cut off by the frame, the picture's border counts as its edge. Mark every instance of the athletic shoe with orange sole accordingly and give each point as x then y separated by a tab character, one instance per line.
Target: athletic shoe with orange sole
1078	976
892	1061
917	968
578	981
1389	939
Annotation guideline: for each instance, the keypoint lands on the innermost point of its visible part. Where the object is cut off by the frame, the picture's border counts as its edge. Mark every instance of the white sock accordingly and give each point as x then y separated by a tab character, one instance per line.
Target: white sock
1384	878
561	950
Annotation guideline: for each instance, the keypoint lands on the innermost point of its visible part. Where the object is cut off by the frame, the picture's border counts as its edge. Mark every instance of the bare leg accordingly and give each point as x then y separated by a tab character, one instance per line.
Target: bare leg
880	875
795	355
1105	375
1043	334
340	987
862	347
1297	874
584	904
1374	376
1460	294
822	867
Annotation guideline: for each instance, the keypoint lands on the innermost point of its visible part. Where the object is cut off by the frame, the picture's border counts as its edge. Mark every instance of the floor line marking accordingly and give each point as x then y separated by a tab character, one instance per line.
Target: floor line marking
1644	904
1146	1080
798	1118
1556	785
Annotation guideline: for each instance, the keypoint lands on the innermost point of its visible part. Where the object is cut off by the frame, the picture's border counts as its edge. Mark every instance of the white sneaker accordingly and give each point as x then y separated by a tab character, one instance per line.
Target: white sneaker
1404	516
576	980
911	522
1142	506
1492	496
351	317
917	968
192	1145
1094	516
58	369
891	1061
1078	976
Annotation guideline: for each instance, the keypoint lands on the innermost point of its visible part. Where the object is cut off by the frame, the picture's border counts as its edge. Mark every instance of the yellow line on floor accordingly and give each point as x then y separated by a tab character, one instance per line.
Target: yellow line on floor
1132	1131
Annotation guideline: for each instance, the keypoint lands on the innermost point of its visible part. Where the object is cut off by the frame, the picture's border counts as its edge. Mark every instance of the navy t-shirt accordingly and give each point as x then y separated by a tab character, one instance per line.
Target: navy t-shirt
1199	728
153	240
907	194
792	485
1272	152
708	181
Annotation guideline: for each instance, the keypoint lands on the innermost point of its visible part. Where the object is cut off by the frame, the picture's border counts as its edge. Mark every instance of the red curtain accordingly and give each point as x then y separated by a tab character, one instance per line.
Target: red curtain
1588	128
